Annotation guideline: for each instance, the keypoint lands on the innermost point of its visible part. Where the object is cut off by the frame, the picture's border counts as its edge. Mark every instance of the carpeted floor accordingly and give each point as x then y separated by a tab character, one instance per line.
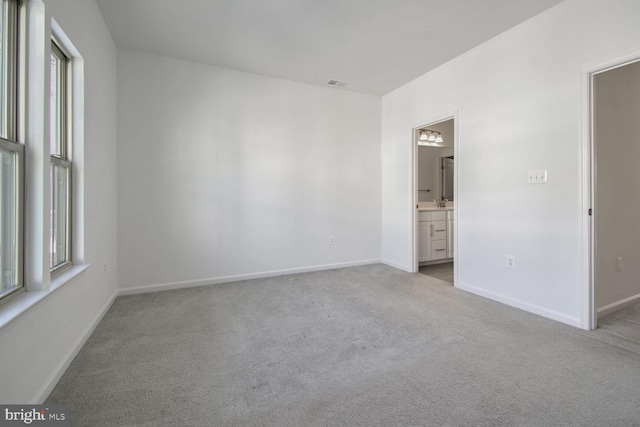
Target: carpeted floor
364	346
621	328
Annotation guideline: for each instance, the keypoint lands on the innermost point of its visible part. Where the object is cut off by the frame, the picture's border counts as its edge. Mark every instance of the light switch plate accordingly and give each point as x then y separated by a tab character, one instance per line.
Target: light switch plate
537	177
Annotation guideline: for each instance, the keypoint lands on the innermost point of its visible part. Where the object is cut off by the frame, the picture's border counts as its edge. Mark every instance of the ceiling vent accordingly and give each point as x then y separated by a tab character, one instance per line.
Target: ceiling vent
337	83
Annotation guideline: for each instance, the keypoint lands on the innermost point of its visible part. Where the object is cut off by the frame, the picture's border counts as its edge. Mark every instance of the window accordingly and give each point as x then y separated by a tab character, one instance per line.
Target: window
17	257
60	150
11	157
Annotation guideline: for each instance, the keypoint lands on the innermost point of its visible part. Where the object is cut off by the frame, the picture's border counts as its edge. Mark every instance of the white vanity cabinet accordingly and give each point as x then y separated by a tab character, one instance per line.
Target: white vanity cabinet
432	235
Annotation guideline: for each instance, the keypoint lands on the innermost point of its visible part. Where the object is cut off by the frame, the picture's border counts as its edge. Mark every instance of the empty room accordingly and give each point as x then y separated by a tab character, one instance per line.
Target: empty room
303	212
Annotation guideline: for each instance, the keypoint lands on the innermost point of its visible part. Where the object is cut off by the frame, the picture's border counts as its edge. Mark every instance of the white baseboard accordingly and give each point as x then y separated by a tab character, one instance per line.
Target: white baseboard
618	305
531	308
239	277
396	265
53	379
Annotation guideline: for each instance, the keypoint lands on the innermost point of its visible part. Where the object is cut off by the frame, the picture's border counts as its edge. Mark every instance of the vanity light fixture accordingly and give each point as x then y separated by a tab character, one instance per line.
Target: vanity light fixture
430	138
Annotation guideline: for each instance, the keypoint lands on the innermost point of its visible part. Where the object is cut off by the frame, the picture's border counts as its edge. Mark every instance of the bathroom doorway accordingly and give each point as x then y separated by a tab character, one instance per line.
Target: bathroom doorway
615	133
435	197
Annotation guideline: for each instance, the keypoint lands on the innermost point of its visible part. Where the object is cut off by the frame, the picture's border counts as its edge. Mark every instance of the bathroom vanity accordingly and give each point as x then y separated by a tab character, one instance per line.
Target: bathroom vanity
435	235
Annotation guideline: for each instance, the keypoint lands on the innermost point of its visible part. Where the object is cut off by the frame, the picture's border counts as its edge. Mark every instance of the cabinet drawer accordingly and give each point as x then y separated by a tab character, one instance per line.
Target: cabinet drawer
439	215
438	249
439	230
424	216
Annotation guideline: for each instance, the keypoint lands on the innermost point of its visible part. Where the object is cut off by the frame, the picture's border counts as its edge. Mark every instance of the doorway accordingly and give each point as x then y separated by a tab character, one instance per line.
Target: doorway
435	153
614	137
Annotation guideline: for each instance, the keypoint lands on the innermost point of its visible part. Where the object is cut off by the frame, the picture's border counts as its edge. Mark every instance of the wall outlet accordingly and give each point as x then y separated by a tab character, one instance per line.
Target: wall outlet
511	261
105	267
619	263
537	177
332	240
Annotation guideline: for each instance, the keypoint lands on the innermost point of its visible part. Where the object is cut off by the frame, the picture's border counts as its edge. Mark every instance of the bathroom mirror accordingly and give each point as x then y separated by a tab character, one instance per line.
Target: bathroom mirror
435	173
435	163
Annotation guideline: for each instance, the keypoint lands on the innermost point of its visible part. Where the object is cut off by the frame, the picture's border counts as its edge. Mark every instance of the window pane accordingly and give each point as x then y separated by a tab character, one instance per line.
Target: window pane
59	214
60	240
3	71
54	105
9	245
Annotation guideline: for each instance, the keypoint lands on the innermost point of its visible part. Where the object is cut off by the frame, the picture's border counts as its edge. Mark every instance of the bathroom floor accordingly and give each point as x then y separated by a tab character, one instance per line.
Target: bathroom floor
439	271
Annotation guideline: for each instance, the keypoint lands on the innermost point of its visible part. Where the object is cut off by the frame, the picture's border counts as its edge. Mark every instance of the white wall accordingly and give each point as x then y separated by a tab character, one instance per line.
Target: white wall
519	103
223	173
36	347
617	141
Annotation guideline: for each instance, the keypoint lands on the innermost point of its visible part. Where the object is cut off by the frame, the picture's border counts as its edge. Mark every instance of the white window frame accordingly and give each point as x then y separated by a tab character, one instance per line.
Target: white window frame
64	158
9	138
36	29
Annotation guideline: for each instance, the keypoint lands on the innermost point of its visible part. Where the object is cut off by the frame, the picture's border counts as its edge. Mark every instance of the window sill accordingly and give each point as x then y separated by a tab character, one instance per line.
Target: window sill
21	304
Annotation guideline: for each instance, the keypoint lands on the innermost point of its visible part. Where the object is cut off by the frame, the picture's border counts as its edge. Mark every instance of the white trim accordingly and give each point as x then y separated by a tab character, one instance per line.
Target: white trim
77	94
456	195
399	266
531	308
618	305
62	367
239	277
588	318
589	314
450	115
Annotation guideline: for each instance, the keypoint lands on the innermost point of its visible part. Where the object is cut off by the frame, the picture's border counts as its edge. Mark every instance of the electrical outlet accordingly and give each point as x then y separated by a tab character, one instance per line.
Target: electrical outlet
511	261
537	177
105	267
619	263
332	240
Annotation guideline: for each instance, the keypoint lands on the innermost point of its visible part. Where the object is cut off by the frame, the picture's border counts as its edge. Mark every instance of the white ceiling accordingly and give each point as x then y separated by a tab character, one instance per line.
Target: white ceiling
374	45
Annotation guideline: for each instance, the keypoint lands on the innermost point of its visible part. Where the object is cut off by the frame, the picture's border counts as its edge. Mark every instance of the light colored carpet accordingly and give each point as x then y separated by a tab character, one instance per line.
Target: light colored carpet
364	346
439	271
621	328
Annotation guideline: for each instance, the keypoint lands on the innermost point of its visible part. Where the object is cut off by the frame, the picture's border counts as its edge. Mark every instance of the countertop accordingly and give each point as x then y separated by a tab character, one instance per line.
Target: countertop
431	207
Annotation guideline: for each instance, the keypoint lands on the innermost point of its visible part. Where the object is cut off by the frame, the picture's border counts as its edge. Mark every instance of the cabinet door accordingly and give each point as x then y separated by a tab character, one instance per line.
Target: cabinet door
424	241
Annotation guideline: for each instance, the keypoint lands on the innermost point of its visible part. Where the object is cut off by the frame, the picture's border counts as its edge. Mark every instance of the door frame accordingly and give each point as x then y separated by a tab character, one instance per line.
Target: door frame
450	115
589	315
